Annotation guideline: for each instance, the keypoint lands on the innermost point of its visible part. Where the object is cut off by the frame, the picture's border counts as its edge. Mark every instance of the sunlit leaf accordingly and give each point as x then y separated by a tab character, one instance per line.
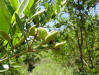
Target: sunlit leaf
16	38
14	4
46	5
20	10
22	7
57	8
16	66
5	42
4	17
27	10
2	71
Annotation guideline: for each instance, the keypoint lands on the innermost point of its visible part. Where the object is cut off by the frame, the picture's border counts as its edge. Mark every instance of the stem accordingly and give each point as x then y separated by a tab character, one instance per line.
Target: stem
19	54
80	47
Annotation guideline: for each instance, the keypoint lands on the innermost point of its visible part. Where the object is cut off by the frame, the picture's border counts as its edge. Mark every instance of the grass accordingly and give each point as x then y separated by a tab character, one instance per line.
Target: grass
49	67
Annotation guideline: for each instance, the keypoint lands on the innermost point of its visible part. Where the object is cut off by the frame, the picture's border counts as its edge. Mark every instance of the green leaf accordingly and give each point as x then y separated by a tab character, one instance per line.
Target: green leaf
5	17
36	14
10	8
19	23
20	42
57	8
16	66
16	38
27	10
13	29
5	36
46	5
15	41
2	71
14	4
5	42
23	7
20	10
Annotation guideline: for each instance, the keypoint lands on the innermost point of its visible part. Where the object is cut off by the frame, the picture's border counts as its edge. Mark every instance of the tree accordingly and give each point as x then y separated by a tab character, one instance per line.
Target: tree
79	28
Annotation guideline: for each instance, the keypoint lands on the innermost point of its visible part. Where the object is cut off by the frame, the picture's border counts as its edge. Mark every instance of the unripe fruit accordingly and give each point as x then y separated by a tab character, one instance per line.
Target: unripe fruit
32	31
51	36
59	45
41	33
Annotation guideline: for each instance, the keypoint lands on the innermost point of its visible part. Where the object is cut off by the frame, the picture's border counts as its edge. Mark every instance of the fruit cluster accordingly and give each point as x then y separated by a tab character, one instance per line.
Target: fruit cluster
41	34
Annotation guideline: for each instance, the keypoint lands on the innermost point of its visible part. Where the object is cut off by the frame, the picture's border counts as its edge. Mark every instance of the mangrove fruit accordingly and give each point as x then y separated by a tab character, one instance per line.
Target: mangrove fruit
41	33
32	31
51	36
59	45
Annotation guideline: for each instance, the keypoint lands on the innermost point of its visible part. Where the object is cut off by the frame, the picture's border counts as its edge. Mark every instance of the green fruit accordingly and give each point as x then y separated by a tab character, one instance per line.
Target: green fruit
59	45
41	33
51	36
32	31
